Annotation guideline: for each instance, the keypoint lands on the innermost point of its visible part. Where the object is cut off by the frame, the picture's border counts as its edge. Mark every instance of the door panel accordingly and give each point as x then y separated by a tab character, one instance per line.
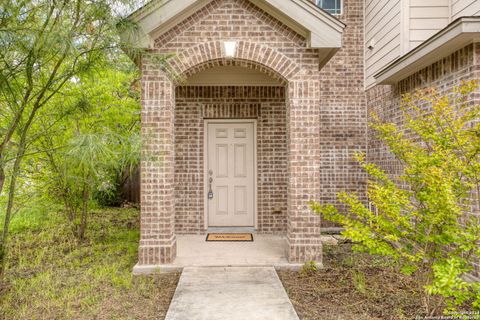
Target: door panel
241	200
221	161
221	200
240	160
230	160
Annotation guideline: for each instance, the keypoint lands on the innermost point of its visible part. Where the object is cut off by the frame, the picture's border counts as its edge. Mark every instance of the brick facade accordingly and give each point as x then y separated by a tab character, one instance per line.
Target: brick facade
157	234
343	116
308	129
194	105
444	75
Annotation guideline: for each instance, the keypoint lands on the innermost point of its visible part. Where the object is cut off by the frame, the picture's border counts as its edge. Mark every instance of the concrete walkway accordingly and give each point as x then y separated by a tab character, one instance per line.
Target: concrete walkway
230	293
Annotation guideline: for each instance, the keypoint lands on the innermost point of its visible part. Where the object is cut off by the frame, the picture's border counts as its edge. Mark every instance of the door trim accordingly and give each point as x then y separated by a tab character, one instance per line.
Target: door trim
205	166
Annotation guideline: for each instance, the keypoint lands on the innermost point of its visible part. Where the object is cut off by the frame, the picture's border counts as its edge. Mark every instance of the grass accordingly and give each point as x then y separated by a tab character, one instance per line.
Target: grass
51	276
354	286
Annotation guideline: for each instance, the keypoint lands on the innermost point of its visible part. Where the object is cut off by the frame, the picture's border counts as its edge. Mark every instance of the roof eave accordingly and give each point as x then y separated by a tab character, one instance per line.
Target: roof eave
456	35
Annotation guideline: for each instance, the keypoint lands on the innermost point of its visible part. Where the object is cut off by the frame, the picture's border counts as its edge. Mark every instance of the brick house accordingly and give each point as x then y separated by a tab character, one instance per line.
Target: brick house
261	105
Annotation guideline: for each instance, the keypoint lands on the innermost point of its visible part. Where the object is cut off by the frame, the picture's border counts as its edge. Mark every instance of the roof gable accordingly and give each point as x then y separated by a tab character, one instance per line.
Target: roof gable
319	28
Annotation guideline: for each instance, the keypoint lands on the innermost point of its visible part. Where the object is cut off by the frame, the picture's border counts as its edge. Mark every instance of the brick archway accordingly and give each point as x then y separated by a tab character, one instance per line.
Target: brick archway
158	240
263	58
248	64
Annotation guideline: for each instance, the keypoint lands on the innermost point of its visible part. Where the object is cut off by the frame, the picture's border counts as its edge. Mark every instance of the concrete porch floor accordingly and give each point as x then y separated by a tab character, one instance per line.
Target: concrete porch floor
264	250
193	251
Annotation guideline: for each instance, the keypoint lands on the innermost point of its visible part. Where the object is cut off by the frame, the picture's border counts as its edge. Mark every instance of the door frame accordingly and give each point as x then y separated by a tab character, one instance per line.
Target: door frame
206	122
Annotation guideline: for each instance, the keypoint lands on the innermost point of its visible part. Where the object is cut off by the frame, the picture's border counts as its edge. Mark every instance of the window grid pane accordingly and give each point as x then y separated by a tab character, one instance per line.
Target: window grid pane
331	6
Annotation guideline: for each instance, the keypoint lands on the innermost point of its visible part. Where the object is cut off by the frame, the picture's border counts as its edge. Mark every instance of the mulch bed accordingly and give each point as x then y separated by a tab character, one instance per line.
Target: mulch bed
353	286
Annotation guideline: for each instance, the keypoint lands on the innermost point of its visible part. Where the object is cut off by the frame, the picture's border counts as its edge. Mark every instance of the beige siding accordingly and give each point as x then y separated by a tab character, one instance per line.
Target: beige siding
382	30
394	27
426	17
462	8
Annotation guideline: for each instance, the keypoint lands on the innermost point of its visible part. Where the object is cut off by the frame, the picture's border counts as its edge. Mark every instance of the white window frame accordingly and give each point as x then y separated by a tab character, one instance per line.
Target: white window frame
334	14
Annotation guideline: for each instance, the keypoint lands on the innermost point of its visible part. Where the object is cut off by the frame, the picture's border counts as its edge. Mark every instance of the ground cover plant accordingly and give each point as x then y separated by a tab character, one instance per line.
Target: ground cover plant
50	276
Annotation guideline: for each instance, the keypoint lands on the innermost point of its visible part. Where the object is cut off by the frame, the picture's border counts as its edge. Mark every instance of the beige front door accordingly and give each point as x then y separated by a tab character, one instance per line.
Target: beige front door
230	174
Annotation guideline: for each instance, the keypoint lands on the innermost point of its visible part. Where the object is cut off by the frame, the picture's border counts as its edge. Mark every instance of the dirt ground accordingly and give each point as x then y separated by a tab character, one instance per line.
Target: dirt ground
353	286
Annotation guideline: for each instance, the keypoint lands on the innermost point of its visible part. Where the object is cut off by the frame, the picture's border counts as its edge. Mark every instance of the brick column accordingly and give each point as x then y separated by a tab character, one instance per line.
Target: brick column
303	226
157	235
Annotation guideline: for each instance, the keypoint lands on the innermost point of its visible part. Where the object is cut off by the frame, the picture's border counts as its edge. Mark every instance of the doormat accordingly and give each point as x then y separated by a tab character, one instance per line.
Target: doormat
241	237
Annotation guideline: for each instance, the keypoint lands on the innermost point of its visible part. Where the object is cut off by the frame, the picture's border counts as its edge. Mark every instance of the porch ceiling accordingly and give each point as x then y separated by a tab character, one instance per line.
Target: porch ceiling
231	76
322	30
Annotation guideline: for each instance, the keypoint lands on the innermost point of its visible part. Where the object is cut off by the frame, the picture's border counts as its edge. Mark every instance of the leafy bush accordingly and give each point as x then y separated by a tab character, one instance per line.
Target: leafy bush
425	219
86	151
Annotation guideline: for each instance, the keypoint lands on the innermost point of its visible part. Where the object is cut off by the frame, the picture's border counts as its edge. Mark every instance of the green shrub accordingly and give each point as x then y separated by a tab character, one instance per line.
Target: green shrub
422	219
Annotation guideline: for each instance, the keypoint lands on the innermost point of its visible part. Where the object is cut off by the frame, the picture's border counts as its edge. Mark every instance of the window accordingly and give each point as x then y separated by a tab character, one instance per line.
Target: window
331	6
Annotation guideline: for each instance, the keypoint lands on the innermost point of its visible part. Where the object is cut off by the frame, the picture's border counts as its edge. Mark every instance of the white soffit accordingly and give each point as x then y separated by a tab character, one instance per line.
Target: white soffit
321	29
456	35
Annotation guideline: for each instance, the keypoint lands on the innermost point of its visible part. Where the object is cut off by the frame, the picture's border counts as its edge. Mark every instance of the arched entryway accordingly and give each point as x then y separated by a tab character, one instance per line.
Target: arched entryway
230	126
165	93
290	41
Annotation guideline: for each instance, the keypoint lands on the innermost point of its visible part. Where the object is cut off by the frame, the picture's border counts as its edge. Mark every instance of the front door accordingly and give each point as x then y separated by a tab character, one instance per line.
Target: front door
230	176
